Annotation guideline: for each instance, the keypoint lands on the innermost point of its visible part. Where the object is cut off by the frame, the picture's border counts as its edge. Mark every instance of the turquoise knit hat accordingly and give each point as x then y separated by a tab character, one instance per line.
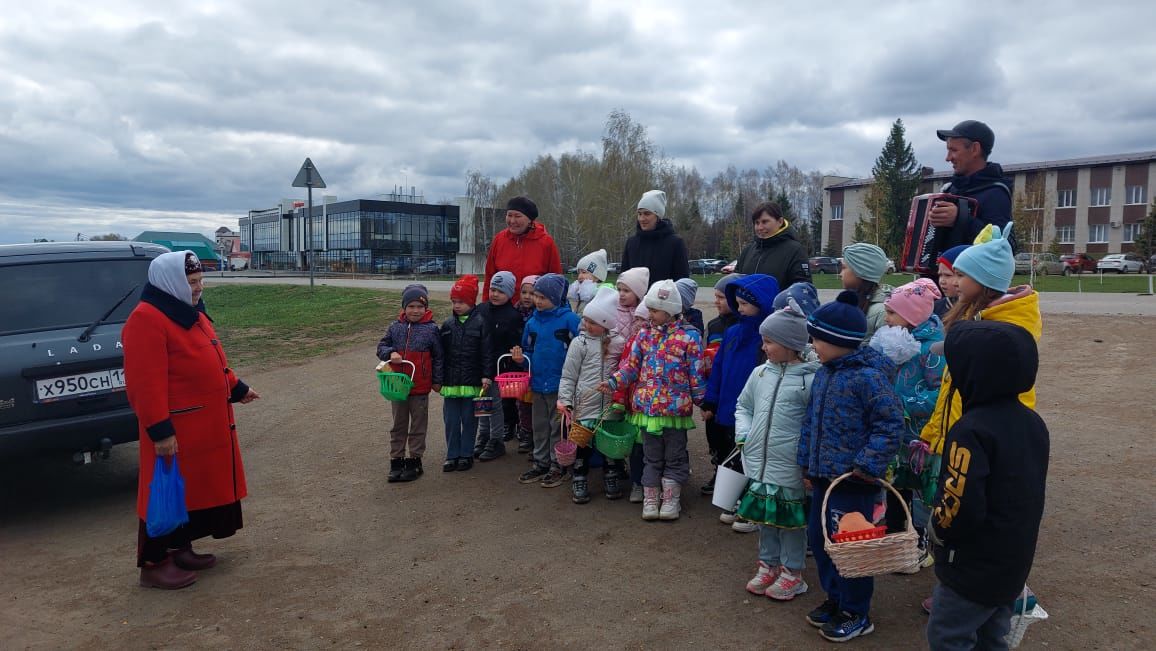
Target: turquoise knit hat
992	263
866	261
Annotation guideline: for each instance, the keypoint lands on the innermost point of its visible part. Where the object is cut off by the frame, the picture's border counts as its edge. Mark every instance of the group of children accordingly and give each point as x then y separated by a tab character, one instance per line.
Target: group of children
821	401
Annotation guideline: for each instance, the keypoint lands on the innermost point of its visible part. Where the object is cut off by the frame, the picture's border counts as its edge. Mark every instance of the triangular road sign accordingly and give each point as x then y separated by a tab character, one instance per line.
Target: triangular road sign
308	177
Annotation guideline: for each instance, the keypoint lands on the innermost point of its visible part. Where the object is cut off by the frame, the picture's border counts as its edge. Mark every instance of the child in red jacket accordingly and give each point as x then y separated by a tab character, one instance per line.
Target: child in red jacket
412	338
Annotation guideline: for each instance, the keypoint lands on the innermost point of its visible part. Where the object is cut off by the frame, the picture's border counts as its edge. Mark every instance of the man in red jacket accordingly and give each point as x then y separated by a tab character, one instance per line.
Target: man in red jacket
524	248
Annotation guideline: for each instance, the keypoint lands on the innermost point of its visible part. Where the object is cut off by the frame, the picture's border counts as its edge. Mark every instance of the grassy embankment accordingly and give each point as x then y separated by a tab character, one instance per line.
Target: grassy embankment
271	325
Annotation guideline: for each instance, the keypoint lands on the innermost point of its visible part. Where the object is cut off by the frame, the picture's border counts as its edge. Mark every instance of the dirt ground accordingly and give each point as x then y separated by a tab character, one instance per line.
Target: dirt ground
334	557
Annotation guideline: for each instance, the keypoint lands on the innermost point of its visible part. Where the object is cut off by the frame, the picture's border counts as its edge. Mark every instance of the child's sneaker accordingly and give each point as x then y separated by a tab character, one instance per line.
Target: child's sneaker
636	494
533	475
708	488
671	500
553	478
611	487
744	526
764	577
650	503
580	494
727	517
846	626
787	586
824	613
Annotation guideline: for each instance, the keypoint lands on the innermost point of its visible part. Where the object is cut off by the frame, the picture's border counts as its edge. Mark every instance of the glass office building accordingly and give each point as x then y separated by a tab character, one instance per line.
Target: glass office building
363	236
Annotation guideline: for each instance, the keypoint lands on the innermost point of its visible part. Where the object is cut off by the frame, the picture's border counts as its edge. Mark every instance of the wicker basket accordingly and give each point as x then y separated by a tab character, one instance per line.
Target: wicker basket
396	386
514	384
886	555
580	434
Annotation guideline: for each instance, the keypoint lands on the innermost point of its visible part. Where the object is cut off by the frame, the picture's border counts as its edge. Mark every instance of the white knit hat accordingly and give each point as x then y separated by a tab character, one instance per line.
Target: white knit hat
663	295
594	263
636	279
654	201
603	309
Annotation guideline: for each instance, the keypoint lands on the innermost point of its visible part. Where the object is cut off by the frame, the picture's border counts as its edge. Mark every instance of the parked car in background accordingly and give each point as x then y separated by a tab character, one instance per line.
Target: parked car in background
437	267
613	267
1048	264
1121	263
1078	263
824	265
729	268
704	266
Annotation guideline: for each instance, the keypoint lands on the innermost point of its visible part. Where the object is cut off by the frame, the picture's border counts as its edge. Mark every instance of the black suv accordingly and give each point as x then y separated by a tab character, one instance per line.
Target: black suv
62	306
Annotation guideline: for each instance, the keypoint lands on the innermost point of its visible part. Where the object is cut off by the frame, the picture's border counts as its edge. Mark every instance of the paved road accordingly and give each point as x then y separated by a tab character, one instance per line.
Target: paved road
1050	302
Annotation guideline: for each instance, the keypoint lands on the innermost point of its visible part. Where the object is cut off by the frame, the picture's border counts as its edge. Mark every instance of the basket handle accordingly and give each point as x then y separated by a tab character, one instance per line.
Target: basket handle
886	484
412	367
500	358
733	454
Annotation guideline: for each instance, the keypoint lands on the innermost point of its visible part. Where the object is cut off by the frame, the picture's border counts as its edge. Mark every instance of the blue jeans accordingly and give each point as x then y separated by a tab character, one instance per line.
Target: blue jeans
958	623
786	547
461	427
852	595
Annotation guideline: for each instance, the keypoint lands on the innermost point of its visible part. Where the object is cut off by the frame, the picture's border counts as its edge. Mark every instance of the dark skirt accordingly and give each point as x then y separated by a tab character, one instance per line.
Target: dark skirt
219	522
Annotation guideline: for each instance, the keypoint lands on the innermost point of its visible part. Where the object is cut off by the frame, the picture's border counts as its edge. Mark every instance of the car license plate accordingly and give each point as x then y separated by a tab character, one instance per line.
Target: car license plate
82	384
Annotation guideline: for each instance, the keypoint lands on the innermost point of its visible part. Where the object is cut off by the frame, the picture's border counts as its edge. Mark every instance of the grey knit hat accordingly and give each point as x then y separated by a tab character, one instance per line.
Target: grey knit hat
504	282
787	327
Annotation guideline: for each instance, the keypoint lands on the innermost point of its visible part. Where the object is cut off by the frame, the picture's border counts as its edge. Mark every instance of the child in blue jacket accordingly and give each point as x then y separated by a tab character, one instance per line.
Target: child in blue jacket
544	341
741	352
853	425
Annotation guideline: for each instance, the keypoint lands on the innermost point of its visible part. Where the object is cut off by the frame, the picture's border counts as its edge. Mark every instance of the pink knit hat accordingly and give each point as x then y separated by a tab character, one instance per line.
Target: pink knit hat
914	301
529	280
636	279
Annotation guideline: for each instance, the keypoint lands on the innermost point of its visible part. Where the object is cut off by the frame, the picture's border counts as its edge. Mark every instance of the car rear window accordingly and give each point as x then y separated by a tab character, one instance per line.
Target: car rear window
53	295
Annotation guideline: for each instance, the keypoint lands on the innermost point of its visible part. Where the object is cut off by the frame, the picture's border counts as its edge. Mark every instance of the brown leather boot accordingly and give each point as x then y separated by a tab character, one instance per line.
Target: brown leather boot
166	576
187	559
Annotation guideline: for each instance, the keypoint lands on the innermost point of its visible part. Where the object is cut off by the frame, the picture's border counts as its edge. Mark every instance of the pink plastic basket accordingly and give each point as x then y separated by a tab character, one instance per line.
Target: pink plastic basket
514	384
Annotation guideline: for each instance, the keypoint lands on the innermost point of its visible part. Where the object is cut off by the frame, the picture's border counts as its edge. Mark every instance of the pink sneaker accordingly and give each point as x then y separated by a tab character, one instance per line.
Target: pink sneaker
787	586
763	579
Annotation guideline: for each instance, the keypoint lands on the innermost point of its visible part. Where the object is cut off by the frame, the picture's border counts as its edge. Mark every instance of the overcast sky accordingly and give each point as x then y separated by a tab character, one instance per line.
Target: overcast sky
122	116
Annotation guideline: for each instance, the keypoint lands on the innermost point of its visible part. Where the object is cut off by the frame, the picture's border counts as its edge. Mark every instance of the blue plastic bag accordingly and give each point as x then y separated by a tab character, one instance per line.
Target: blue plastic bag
167	509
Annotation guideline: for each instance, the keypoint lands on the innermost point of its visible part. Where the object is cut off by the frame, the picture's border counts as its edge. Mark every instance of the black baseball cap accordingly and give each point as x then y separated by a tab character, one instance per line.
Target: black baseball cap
972	130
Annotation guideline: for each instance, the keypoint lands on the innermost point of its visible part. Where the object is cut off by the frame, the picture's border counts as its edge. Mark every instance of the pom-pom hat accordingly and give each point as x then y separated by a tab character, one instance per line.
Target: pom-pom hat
840	323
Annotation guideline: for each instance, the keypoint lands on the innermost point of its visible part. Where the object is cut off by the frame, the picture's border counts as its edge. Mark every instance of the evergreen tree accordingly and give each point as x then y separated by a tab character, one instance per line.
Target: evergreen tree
897	175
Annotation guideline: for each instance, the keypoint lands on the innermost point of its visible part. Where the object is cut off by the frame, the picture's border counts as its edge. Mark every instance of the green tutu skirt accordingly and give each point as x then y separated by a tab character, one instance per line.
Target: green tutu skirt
773	505
655	424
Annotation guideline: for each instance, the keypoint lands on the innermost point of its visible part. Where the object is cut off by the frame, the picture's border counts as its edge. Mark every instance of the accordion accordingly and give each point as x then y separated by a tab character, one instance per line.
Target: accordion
920	250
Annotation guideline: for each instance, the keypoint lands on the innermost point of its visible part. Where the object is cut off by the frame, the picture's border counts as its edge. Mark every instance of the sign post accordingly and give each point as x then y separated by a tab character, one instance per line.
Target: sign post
307	177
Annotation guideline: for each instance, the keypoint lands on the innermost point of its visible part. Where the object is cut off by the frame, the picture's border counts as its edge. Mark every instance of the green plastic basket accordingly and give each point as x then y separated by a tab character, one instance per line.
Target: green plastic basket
615	438
396	386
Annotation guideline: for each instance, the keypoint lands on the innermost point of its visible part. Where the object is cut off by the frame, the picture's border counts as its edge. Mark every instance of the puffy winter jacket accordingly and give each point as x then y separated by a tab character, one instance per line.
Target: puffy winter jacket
780	256
544	341
769	419
854	420
659	250
531	253
418	343
584	370
665	366
876	312
741	350
467	355
992	189
1021	306
504	323
920	370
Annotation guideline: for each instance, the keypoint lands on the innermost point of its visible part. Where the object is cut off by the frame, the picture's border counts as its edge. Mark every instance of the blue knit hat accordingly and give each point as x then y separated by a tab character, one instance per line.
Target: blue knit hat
948	257
839	323
992	263
805	295
866	261
687	290
553	287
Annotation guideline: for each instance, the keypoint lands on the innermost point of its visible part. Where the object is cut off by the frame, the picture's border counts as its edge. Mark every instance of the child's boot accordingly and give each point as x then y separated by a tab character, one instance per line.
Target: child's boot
581	493
408	470
525	440
650	503
610	485
671	500
493	449
395	468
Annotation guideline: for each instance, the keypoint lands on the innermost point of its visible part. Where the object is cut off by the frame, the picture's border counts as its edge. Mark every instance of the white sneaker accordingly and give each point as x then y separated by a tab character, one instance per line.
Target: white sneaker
787	586
764	577
650	508
635	494
727	517
744	526
671	500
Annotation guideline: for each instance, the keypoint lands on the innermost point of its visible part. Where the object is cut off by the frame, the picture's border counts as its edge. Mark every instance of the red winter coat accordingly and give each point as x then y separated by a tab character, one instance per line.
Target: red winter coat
178	382
533	253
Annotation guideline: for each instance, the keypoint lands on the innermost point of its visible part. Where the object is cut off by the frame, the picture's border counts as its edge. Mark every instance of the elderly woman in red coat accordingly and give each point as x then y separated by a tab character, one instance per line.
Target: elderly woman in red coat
181	388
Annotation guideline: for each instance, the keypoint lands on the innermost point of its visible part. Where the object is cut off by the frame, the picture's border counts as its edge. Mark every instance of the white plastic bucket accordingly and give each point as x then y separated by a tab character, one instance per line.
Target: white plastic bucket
728	486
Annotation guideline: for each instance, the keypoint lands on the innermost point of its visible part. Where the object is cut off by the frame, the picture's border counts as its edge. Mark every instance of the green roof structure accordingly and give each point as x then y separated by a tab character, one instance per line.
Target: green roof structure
205	248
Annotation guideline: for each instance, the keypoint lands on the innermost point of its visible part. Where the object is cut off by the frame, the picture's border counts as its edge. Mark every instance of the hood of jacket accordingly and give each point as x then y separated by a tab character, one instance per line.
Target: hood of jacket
537	231
990	361
991	173
1020	306
664	228
929	330
425	318
784	234
864	357
764	287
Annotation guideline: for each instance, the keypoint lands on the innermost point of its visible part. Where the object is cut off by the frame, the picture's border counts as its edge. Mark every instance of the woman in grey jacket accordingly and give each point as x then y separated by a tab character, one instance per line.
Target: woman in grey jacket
590	359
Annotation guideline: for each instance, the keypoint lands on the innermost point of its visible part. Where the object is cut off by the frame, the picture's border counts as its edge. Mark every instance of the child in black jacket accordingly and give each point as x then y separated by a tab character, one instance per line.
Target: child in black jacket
504	326
467	372
990	501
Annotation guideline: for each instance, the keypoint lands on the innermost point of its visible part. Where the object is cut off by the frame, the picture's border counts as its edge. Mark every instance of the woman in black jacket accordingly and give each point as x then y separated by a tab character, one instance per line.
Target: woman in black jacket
467	371
655	246
775	251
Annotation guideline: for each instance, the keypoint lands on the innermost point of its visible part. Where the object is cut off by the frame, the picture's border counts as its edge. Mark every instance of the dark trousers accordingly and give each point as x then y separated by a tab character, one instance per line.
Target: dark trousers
636	464
720	440
852	595
609	466
896	518
957	623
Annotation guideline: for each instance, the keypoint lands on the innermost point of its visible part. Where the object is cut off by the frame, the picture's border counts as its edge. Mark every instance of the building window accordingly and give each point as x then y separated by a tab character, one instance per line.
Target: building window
1066	234
1101	196
1097	233
837	212
1131	232
1066	199
1136	194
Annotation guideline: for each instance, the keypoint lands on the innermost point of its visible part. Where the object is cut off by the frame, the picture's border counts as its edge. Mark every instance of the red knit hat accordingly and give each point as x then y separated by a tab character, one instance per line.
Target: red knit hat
465	290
